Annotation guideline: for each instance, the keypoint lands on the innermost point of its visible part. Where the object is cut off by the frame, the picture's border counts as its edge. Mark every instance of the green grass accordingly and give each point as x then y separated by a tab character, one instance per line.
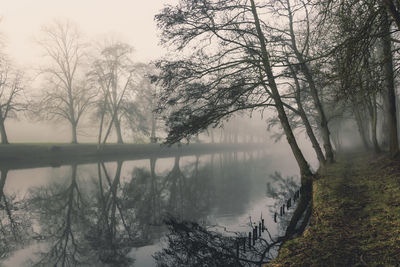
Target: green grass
356	216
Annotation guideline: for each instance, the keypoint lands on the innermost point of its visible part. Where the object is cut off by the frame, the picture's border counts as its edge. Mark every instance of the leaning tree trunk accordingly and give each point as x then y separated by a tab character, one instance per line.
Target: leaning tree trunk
389	85
306	174
310	133
323	121
314	92
4	139
303	165
306	122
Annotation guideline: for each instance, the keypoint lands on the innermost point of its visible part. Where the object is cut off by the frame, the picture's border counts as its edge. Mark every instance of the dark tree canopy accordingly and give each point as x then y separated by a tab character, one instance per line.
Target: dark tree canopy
221	72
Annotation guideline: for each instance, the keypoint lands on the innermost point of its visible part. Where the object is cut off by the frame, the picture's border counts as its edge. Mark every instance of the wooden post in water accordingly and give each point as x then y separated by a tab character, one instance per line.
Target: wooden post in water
275	214
249	240
255	232
259	229
262	224
237	249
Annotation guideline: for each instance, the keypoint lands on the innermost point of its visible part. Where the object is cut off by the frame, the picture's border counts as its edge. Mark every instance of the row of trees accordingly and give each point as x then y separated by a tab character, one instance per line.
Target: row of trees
99	86
316	63
80	83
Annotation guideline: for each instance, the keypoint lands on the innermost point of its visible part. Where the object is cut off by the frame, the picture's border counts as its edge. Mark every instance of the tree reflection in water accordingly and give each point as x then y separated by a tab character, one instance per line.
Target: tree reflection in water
190	244
62	215
98	221
281	189
15	227
113	232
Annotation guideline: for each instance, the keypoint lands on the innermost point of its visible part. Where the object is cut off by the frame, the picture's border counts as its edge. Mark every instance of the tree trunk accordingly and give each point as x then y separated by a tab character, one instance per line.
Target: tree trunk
306	122
153	138
371	106
360	126
311	135
301	161
389	85
393	11
336	140
314	92
3	178
117	125
103	111
323	121
306	174
4	139
74	137
373	127
373	115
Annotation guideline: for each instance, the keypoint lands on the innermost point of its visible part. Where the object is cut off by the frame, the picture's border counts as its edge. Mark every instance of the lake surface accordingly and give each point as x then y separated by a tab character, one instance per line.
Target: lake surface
111	214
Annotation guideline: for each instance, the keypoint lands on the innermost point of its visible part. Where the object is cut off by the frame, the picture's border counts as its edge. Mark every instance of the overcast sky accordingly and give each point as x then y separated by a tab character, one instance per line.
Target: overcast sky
133	20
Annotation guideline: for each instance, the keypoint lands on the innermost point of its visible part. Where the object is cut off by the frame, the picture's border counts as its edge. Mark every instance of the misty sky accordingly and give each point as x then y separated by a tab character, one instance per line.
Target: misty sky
131	20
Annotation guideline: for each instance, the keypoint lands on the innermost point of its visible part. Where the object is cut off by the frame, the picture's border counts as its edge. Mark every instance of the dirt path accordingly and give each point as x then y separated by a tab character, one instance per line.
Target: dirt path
356	216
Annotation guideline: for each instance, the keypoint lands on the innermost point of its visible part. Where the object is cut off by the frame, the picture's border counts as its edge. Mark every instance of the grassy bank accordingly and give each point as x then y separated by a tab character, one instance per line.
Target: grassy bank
19	156
356	216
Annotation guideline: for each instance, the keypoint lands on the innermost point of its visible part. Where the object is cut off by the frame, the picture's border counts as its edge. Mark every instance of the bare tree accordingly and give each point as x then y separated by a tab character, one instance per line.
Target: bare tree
300	54
11	87
212	84
67	96
146	120
113	73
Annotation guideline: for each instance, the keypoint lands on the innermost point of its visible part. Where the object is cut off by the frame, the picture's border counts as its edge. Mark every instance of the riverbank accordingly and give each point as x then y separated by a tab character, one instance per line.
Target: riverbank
20	156
356	216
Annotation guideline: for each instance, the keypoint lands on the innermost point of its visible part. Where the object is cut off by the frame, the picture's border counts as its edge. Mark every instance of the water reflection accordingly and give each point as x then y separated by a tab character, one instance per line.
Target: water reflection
113	232
95	214
281	189
15	227
61	213
191	244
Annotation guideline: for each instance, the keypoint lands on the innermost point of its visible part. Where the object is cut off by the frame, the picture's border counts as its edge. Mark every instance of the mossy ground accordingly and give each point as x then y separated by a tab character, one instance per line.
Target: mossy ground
356	216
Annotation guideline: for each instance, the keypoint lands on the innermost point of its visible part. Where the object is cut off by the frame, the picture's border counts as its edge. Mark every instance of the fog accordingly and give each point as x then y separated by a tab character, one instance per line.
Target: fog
131	22
134	133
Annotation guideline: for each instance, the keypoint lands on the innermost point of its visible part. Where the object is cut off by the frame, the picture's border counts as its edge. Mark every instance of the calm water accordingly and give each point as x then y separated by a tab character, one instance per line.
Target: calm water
111	214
